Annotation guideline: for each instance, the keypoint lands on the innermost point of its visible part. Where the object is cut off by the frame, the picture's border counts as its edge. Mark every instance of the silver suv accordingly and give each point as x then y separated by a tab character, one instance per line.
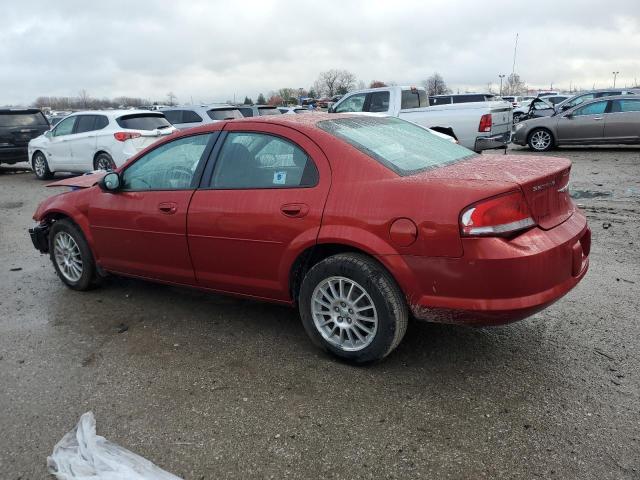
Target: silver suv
590	95
188	116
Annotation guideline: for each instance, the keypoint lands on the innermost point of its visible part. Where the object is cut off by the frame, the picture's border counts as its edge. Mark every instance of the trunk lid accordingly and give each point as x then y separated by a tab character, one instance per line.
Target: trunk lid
543	180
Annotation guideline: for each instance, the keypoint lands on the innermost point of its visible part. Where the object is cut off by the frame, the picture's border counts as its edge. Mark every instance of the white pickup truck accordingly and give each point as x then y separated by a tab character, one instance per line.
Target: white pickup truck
477	125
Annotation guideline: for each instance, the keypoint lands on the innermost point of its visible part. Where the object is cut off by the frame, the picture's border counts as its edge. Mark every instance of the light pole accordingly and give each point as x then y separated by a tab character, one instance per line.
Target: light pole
501	77
615	74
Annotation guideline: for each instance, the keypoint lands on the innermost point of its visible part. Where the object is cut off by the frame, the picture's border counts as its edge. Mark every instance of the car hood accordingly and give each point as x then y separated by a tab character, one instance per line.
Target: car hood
83	181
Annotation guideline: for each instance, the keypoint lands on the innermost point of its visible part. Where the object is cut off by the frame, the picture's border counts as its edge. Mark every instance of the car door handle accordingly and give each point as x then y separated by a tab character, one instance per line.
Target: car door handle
294	210
168	208
598	118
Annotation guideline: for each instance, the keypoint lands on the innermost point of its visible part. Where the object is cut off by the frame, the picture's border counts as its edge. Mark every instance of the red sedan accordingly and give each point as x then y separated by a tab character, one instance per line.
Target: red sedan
358	221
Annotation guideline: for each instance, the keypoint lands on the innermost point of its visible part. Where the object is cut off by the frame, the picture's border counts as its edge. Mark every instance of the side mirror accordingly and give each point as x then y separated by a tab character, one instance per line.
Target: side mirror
110	182
48	133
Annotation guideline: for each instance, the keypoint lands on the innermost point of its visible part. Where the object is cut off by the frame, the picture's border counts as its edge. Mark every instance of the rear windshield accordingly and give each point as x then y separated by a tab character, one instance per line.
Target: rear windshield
413	99
401	146
22	119
224	114
143	121
268	111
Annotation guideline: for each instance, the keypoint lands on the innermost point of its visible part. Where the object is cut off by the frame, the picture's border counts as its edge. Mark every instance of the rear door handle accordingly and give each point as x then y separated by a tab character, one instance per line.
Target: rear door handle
168	208
294	210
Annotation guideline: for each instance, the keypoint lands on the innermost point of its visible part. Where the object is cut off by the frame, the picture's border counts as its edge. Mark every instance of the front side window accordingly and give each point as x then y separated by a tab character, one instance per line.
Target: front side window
401	146
379	102
596	108
256	160
169	167
355	103
65	127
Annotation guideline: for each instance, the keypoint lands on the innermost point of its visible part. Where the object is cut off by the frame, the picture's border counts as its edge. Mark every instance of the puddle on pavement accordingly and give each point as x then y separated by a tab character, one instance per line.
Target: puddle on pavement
589	194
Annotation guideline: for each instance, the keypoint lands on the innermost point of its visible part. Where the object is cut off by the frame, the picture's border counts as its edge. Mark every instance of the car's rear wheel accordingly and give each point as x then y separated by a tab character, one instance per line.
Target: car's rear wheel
41	167
103	161
540	140
71	256
352	307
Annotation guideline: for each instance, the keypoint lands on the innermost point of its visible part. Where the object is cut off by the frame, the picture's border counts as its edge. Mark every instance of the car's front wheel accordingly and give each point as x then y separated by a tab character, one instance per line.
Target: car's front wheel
103	161
352	307
540	140
71	255
41	167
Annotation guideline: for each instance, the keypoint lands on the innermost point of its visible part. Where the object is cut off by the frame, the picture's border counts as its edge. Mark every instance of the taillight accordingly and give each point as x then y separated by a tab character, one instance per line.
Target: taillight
124	136
501	215
485	123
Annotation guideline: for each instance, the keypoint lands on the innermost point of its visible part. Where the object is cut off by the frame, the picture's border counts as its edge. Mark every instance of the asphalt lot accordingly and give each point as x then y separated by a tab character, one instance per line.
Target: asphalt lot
213	387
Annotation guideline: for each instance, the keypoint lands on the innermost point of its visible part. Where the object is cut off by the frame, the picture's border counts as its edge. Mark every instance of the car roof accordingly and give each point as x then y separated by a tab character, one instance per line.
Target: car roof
115	113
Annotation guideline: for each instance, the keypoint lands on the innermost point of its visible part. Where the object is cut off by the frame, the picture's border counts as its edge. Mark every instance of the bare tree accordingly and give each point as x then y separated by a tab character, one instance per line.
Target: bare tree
514	85
83	97
334	82
377	84
171	99
435	85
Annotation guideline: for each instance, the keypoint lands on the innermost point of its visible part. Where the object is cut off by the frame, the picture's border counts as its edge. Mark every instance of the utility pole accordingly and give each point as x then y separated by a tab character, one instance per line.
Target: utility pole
515	50
501	77
615	74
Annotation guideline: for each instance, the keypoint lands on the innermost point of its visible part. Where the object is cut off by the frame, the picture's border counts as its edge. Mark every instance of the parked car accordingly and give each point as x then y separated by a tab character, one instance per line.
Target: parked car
95	140
462	98
258	110
590	95
188	116
298	109
17	127
538	107
610	120
311	211
515	100
477	125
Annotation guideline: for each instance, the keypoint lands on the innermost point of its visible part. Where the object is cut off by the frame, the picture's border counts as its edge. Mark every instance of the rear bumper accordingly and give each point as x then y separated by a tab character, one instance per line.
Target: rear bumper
13	154
499	280
40	237
492	142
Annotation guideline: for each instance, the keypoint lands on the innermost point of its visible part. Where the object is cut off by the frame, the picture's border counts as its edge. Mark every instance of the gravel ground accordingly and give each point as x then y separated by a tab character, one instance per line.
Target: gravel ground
214	387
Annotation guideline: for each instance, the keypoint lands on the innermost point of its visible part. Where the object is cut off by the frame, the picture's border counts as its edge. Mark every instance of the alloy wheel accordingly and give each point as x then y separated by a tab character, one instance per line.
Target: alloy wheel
104	164
344	314
541	140
39	165
68	257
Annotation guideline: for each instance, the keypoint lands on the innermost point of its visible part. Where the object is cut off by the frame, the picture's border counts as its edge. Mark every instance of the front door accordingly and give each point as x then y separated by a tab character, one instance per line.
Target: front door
141	229
583	124
260	207
59	148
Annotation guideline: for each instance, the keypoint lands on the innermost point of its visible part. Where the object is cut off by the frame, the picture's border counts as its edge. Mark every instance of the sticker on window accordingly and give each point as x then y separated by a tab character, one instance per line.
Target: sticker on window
279	178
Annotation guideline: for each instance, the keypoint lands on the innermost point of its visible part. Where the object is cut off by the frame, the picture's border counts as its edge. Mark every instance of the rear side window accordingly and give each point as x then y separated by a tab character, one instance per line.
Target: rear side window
378	102
101	122
189	116
629	105
22	119
401	146
224	114
268	111
414	99
247	112
439	100
85	123
250	160
173	116
143	121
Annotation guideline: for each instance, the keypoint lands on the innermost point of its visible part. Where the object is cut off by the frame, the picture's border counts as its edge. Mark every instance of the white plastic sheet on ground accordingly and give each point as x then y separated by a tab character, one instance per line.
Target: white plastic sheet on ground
83	455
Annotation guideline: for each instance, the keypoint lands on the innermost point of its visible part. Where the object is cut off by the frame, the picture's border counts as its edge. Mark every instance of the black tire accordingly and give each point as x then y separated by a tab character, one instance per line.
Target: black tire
88	278
103	161
536	140
41	166
518	117
382	289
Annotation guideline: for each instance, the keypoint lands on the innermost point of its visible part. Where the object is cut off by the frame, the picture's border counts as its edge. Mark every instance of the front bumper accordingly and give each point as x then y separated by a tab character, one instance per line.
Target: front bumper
40	237
492	142
500	280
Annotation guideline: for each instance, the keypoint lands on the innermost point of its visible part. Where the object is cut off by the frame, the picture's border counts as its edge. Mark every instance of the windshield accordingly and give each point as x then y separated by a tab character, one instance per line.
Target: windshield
268	111
22	119
224	114
401	146
143	121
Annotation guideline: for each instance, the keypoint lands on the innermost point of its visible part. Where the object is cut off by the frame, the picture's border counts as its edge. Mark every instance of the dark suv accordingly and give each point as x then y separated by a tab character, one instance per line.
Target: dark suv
17	127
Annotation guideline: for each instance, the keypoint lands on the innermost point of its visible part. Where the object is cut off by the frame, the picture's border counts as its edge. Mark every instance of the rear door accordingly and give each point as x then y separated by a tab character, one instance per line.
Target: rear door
584	124
622	123
83	142
258	207
141	229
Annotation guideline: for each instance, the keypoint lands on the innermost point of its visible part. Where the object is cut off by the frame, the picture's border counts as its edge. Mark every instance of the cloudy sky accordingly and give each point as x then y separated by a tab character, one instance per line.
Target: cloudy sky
210	51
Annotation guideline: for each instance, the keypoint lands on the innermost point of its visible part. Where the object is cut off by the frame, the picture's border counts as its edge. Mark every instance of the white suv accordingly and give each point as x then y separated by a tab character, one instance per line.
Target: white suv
195	115
95	140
